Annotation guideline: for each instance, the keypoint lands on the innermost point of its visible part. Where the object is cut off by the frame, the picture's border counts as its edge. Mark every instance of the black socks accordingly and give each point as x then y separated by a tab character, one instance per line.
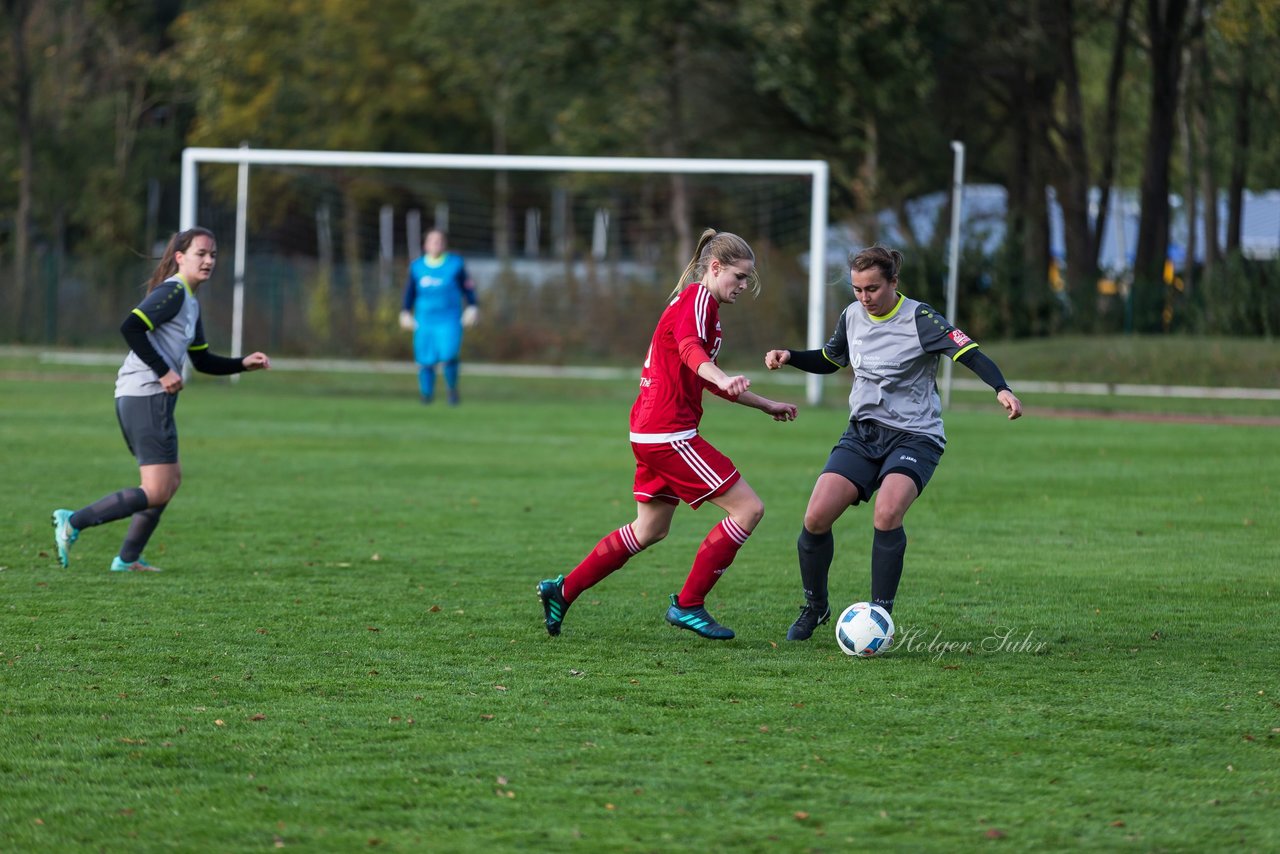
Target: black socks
109	508
816	551
887	551
141	526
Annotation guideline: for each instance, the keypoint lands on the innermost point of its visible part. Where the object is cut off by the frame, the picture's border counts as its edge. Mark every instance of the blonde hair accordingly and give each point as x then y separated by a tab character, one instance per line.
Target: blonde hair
180	242
725	248
887	261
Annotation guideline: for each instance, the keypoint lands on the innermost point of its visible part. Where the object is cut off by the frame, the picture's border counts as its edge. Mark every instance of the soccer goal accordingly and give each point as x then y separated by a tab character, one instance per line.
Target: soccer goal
572	256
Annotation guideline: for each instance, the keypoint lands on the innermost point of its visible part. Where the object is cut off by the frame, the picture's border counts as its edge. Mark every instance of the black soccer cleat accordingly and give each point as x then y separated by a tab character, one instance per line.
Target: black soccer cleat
811	616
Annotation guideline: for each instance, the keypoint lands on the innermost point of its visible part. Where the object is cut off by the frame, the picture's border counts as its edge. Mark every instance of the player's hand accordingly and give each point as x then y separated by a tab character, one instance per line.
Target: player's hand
171	382
407	323
1010	402
470	315
256	362
782	411
775	359
734	386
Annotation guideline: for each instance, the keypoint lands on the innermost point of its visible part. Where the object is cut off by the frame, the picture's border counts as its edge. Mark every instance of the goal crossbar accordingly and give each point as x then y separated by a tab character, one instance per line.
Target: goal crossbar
817	170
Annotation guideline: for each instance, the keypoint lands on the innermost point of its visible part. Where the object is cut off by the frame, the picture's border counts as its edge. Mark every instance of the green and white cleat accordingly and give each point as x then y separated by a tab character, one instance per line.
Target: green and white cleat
551	592
139	565
697	620
64	536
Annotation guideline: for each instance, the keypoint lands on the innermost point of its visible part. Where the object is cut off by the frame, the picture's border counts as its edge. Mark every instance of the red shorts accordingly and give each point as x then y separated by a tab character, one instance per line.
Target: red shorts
687	470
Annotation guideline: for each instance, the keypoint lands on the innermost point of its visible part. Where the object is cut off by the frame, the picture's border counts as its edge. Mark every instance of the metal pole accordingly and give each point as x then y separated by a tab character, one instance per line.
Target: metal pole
953	273
242	228
187	192
817	274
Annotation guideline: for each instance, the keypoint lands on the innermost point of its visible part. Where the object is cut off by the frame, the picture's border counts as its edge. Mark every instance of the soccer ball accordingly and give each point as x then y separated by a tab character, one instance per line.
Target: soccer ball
864	630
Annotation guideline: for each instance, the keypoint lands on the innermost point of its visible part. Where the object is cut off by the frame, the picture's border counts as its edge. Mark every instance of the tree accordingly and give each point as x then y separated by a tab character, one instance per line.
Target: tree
857	81
1072	174
1251	31
1166	38
1109	136
502	68
313	74
17	14
88	122
1001	71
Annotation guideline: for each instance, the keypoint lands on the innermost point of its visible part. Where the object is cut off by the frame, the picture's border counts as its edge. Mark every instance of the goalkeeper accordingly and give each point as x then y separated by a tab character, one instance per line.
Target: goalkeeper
439	301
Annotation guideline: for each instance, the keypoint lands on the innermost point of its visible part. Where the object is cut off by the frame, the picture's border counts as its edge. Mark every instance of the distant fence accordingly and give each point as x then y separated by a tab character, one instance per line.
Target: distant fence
61	357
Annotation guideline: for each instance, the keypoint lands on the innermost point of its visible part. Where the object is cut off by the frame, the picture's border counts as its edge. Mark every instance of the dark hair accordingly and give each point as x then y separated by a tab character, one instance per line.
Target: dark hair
180	242
725	248
886	260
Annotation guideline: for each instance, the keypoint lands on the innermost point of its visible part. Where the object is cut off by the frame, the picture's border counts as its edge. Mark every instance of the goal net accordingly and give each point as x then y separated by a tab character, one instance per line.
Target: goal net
572	258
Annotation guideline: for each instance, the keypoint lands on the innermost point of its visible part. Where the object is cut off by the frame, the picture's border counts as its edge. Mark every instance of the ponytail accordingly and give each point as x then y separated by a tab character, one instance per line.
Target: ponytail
725	248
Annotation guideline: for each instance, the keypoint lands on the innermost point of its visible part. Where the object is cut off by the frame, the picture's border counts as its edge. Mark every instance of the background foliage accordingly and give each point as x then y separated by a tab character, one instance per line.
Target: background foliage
98	97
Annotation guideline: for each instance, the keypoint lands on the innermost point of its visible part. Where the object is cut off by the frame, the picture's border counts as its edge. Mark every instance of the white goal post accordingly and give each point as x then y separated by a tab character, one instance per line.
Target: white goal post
817	170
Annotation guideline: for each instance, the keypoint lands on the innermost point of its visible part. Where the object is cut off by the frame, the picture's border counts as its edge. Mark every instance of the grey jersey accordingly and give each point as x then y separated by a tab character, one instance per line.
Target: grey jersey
172	315
895	364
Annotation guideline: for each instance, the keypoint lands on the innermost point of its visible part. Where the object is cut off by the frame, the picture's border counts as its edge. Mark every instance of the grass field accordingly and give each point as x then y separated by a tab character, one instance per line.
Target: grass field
345	651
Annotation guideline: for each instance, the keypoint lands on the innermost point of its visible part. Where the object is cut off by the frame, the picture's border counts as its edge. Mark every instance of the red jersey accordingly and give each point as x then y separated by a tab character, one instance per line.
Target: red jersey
669	406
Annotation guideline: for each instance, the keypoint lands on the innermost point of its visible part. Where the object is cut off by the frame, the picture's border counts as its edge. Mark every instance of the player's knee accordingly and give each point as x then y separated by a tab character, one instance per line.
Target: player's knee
161	490
648	536
817	521
888	518
750	515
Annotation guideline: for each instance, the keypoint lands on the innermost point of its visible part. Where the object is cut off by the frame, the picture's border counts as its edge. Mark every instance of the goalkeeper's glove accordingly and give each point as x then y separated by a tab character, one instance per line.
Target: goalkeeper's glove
469	316
407	322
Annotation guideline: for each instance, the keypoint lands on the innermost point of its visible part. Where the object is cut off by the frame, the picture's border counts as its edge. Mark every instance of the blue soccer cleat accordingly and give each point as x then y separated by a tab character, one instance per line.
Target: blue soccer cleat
696	620
64	536
139	565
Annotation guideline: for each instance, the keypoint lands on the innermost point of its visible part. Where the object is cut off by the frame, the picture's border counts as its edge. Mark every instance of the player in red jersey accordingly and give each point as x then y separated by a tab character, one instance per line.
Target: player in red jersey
673	462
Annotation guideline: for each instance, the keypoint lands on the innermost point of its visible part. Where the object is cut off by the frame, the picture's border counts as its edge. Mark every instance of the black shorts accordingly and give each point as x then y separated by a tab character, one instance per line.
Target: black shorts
148	427
867	452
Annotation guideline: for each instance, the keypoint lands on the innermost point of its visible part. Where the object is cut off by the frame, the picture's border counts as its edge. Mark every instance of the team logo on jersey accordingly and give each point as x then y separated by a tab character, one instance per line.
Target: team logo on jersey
959	338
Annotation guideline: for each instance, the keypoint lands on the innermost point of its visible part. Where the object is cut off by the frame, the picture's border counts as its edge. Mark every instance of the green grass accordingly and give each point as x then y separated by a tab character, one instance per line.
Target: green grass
1150	359
345	649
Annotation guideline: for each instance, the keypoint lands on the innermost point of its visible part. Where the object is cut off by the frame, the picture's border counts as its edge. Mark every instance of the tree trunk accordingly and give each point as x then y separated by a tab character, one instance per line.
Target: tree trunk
1192	163
867	189
1072	179
18	12
1027	246
1205	137
1110	126
673	146
1164	28
501	179
1239	153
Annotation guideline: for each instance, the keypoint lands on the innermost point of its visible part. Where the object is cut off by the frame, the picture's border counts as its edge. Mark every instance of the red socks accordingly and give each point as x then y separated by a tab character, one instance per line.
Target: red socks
714	556
609	554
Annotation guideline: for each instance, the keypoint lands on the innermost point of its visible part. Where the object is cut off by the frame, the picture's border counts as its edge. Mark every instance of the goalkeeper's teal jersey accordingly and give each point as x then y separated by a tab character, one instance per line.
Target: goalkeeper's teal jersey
895	364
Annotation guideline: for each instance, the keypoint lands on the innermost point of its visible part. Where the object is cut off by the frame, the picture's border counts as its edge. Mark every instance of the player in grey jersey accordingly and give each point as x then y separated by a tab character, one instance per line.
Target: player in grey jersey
162	333
895	438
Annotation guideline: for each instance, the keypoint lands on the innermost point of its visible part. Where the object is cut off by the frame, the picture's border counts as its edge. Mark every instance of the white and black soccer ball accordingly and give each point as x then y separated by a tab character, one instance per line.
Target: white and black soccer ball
864	630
